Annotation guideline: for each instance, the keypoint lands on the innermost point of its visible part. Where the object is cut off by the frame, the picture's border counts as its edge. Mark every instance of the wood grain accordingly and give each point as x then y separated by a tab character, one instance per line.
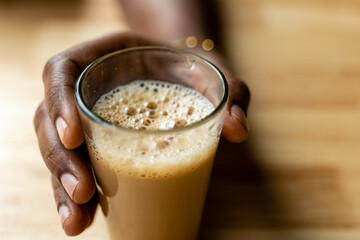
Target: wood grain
297	176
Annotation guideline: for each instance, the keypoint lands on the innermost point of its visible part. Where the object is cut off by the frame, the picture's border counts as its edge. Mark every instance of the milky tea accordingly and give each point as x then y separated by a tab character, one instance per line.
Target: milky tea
152	118
154	187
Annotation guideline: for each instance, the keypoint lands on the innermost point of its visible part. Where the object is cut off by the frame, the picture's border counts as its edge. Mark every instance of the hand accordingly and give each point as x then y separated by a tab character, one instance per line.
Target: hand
60	135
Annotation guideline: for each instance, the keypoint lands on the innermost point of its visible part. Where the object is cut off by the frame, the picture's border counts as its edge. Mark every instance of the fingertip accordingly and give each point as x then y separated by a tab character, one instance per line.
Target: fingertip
70	135
84	191
64	213
74	219
61	127
236	127
73	137
69	183
79	191
73	140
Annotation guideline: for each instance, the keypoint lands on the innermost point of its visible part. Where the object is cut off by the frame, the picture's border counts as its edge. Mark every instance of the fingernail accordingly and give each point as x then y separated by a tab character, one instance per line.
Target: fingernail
239	115
64	213
69	182
61	127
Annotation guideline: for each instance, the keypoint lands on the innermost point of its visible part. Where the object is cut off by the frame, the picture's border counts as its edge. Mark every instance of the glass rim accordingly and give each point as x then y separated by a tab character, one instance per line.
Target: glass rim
96	118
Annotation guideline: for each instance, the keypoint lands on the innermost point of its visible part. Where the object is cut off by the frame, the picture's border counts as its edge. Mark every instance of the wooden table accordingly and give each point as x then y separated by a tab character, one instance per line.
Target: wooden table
298	175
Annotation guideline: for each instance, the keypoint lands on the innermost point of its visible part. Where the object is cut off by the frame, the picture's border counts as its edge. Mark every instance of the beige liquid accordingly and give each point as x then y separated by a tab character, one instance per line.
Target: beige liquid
153	186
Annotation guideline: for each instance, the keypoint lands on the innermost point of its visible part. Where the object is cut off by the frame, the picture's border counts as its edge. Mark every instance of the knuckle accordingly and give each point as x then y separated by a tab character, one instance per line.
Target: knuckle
239	87
56	185
58	80
52	103
50	65
60	195
52	160
244	89
239	92
52	84
39	114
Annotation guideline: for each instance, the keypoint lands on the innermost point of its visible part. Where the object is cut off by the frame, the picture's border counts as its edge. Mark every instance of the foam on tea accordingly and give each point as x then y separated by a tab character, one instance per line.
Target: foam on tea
153	105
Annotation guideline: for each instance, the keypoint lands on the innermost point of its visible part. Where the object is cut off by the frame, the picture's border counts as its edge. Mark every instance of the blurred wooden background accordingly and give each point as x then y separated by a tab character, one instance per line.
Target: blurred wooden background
298	175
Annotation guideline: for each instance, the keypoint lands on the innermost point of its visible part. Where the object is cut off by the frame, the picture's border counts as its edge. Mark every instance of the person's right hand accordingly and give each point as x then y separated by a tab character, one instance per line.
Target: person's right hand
60	136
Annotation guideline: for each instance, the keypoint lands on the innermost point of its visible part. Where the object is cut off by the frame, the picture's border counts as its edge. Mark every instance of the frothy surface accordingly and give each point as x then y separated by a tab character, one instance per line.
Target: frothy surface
153	105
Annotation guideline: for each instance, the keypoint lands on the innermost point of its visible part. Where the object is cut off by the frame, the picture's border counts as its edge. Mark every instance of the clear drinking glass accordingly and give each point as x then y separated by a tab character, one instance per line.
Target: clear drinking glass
149	195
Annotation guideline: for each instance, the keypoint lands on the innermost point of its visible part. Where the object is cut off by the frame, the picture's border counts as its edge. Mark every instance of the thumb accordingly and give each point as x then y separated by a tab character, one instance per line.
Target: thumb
236	127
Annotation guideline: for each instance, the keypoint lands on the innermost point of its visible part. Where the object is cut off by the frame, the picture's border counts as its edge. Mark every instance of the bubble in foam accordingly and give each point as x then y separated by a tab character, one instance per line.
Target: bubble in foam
190	110
165	99
151	105
152	114
145	122
130	111
124	100
180	123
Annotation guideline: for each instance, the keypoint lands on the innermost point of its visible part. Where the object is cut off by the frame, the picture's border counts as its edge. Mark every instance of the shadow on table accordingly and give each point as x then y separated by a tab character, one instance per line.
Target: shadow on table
239	197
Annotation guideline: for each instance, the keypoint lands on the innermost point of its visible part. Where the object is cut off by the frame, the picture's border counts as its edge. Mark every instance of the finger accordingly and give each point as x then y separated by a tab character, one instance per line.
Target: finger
236	127
61	73
74	218
67	166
